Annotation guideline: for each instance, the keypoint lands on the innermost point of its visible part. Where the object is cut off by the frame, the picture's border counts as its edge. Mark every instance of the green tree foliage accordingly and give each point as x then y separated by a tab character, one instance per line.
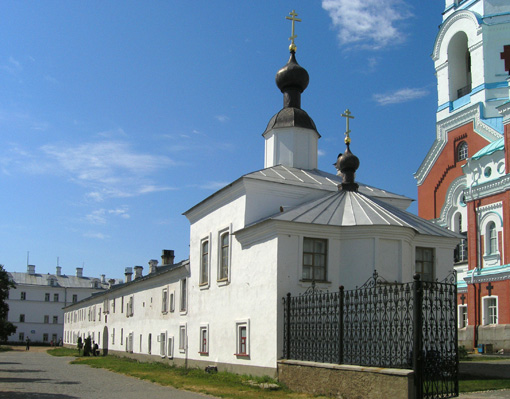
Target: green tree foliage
6	327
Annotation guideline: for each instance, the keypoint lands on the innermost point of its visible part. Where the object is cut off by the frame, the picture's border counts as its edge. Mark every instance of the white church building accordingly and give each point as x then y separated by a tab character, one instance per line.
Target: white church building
273	231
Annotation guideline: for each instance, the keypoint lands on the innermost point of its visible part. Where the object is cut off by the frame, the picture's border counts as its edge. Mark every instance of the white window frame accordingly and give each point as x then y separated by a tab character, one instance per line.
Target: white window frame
162	343
183	297
205	263
164	300
171	300
183	337
487	318
240	324
223	280
170	347
313	266
204	336
463	320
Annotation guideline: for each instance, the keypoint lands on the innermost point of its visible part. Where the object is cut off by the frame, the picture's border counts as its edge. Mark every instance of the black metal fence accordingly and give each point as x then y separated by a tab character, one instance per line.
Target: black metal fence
381	324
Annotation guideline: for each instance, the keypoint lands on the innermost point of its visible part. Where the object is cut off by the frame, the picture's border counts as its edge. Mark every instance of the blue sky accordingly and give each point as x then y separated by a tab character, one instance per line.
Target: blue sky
118	116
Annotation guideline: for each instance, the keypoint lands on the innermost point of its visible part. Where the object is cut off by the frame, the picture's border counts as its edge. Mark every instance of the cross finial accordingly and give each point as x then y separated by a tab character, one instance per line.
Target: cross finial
347	115
293	18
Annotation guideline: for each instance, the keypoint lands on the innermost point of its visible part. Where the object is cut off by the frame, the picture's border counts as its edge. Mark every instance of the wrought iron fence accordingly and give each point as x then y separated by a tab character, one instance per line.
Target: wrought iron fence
381	324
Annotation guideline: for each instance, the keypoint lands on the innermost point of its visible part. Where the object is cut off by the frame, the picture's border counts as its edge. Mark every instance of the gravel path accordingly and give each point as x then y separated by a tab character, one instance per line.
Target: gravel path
37	375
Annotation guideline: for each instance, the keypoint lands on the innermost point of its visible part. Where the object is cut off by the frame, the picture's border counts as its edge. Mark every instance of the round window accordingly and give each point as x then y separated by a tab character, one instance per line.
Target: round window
488	171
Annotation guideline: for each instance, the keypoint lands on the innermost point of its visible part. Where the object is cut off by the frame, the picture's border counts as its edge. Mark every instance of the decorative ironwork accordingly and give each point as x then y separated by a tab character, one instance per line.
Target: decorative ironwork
380	324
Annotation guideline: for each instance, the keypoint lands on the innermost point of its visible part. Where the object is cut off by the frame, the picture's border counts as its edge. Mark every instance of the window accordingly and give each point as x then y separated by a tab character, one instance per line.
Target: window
54	338
122	305
45	337
490	310
242	338
113	337
130	306
463	320
492	239
182	338
23	296
47	297
21	318
113	305
46	319
314	259
164	301
172	301
204	340
55	319
121	336
75	298
224	256
55	297
184	299
170	347
21	337
425	263
204	263
462	151
162	344
149	344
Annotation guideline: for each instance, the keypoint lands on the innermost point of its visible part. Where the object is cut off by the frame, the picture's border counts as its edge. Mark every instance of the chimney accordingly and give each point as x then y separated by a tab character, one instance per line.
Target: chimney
59	271
153	266
79	272
31	269
138	271
103	279
111	283
128	273
167	258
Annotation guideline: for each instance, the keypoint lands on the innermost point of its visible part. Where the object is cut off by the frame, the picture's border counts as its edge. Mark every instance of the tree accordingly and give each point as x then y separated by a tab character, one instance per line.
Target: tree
80	345
6	327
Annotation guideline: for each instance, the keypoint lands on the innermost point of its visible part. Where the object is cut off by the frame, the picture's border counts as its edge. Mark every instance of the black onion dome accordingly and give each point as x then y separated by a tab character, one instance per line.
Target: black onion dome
292	76
347	164
291	117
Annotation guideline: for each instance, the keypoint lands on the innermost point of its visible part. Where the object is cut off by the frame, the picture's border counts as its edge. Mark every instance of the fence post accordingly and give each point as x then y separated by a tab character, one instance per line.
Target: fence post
341	326
418	336
287	344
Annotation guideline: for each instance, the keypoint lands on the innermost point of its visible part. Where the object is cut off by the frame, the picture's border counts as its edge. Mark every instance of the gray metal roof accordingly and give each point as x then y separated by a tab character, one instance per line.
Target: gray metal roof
60	281
315	178
350	208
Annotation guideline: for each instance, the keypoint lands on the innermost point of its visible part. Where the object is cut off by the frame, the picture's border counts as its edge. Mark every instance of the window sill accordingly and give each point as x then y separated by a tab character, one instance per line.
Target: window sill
203	286
316	281
222	282
203	353
245	355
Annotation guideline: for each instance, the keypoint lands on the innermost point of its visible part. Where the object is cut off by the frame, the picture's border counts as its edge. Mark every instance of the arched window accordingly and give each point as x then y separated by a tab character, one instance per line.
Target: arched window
492	238
459	66
462	151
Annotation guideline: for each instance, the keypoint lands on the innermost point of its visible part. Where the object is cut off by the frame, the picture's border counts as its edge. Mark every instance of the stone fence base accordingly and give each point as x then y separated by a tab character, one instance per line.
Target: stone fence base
345	381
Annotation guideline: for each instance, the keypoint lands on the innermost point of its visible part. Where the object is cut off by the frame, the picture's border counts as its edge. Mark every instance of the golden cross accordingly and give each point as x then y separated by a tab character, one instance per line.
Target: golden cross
293	18
347	115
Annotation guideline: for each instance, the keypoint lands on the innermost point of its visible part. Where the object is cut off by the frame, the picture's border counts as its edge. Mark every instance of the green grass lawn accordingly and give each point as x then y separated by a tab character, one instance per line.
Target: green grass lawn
226	385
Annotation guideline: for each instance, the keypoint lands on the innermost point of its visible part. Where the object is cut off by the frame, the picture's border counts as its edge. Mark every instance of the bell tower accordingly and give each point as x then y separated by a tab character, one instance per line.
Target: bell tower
467	59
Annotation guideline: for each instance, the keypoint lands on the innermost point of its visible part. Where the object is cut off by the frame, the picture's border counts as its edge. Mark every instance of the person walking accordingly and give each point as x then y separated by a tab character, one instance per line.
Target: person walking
28	344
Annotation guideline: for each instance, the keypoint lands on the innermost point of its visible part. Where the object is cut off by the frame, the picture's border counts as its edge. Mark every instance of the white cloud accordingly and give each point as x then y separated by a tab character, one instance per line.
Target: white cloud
222	118
367	23
100	216
321	153
111	168
99	236
400	96
213	185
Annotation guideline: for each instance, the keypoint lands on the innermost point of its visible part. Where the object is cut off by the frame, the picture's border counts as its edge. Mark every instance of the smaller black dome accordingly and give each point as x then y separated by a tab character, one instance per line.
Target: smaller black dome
292	76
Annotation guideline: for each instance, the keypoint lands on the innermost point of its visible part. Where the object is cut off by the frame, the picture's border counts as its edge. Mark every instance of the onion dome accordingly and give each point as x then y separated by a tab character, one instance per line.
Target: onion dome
292	80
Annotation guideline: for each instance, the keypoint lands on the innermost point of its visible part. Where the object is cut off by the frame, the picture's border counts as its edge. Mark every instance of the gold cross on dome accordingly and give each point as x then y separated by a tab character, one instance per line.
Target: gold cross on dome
347	115
293	18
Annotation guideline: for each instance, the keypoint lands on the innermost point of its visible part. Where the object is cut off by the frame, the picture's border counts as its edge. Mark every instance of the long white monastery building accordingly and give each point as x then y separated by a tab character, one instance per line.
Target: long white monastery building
270	232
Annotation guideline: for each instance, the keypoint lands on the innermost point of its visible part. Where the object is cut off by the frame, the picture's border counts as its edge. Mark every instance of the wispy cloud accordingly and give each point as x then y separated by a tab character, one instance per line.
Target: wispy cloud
321	153
400	96
100	216
222	118
213	185
368	23
99	236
